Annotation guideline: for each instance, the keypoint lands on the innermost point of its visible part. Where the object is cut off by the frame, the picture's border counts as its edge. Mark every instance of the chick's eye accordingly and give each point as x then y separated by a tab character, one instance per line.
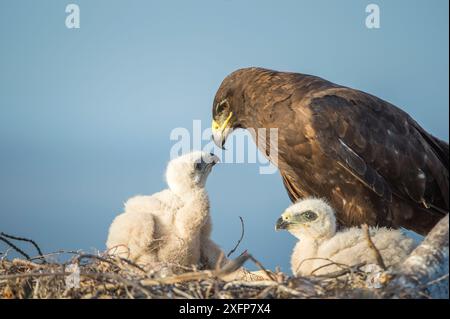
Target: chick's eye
310	215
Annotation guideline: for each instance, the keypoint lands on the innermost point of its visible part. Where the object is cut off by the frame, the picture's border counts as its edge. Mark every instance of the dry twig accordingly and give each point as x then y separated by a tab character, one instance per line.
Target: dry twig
26	240
240	239
10	244
376	252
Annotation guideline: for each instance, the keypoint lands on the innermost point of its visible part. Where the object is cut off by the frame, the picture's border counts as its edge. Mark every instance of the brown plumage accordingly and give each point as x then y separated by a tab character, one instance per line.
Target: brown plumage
368	158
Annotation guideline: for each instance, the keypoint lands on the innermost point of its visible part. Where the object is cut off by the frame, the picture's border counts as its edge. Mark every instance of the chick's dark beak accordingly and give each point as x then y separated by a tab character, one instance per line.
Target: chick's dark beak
214	159
281	224
209	161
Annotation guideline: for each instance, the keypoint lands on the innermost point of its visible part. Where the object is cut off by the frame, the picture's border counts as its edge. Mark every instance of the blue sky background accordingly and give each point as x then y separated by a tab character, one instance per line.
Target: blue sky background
85	115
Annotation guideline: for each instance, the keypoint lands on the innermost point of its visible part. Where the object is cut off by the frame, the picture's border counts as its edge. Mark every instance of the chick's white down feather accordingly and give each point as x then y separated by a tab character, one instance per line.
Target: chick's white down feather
319	242
172	226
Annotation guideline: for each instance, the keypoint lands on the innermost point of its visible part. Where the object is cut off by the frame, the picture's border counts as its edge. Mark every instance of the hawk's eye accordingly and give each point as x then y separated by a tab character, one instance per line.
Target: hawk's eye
309	215
220	107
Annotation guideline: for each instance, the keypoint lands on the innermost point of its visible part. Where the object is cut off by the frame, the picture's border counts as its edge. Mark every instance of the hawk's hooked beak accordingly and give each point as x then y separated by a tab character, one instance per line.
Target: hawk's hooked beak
221	132
281	224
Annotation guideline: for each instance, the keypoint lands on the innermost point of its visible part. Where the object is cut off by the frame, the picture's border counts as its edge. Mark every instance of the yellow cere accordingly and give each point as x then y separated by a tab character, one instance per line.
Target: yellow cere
216	127
286	215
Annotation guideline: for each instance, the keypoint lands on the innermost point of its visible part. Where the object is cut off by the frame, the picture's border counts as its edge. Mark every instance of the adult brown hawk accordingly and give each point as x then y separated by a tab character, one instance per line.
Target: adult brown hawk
369	159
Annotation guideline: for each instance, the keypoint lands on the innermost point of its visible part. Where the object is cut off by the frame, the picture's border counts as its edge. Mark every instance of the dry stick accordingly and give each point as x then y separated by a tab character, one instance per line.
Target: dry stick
289	291
208	290
129	262
116	278
264	293
91	256
26	263
34	274
182	293
250	284
320	258
232	265
20	251
116	247
25	239
433	282
228	268
97	276
240	239
58	252
219	261
342	272
260	266
199	290
4	255
372	246
321	267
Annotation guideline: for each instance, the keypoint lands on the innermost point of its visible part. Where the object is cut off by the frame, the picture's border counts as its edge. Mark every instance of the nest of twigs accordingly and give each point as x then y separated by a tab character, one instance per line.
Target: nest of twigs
104	276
